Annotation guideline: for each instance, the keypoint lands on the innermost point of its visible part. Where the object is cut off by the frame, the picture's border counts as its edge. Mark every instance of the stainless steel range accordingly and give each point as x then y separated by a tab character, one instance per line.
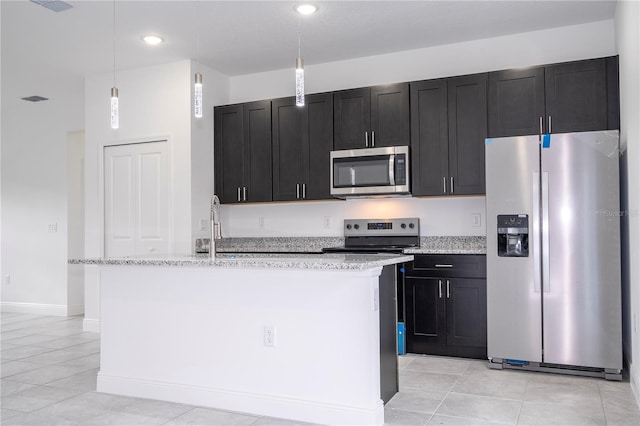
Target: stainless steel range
379	235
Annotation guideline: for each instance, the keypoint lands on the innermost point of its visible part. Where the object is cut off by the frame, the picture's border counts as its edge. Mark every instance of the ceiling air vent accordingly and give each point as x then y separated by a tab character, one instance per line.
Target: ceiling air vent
34	98
55	5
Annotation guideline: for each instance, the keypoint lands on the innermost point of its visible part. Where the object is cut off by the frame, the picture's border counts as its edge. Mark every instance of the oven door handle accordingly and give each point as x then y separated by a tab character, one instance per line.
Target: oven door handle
392	162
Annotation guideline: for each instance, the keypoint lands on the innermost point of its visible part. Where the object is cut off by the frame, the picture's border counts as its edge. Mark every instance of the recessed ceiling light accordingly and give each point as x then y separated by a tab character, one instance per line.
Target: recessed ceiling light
152	39
306	9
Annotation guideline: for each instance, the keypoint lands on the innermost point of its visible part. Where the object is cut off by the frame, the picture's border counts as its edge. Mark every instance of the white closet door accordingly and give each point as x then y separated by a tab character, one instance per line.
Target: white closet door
136	199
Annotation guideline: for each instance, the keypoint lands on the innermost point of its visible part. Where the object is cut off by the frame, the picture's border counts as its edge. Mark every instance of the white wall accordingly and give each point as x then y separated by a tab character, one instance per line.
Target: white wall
439	216
628	46
75	219
156	103
34	188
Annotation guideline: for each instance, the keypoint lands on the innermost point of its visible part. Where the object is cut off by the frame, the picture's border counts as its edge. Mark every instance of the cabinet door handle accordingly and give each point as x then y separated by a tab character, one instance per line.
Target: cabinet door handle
244	193
440	289
541	129
448	290
304	191
239	194
549	124
297	191
444	184
373	139
443	265
452	185
366	139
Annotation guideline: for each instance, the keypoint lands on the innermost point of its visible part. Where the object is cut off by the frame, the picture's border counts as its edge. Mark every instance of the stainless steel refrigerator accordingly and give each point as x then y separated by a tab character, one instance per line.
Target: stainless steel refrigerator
553	253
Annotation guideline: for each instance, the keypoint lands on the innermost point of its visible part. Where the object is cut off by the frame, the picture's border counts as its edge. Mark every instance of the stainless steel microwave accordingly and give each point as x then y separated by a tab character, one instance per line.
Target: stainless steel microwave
370	171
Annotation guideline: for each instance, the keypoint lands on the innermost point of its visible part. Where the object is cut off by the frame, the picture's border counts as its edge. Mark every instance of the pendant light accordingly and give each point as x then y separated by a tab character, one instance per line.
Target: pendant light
115	110
197	86
299	74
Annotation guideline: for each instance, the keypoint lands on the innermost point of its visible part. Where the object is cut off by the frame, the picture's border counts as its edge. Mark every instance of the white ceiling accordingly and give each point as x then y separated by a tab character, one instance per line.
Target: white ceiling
241	37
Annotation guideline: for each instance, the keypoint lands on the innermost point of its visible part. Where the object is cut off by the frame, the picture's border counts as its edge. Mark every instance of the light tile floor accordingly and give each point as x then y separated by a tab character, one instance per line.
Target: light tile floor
49	368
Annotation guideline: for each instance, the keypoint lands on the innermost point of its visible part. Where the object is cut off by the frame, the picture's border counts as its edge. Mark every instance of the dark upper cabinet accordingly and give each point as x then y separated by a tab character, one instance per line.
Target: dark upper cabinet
302	141
448	129
568	97
371	117
429	137
467	133
515	102
242	146
576	96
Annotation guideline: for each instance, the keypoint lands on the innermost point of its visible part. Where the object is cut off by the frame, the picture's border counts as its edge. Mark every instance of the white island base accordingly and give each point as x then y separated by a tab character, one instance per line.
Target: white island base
196	335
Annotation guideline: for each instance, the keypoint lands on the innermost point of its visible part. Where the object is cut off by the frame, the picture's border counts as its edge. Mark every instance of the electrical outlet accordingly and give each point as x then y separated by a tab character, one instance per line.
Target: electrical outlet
53	227
327	222
476	219
269	336
261	222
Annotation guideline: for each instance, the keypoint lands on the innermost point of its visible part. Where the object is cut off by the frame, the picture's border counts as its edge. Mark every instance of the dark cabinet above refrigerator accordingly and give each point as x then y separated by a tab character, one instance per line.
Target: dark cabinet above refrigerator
568	97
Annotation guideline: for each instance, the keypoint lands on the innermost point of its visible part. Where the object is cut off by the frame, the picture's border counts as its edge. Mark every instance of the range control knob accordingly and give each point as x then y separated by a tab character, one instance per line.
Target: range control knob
348	226
356	226
411	225
403	225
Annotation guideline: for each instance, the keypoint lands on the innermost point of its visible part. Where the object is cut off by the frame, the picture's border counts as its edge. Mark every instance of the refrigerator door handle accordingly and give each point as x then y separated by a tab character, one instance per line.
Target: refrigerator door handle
537	286
546	285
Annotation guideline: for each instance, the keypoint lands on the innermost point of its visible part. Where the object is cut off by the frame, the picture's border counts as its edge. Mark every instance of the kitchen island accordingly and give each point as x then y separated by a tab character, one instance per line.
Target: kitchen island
304	337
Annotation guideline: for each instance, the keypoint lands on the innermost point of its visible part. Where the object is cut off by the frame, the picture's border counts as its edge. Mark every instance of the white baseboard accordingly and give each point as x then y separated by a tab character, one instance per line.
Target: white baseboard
89	324
35	308
258	404
635	388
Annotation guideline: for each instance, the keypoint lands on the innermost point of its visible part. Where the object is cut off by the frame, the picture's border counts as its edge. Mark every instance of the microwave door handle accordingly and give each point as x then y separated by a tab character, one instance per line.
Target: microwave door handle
392	162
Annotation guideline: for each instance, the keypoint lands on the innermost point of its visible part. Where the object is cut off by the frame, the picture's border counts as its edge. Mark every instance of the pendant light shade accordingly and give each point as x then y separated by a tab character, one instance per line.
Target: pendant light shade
299	82
115	113
197	96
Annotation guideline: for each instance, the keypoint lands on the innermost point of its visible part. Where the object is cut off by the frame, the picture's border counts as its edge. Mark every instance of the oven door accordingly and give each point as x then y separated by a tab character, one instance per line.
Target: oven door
373	171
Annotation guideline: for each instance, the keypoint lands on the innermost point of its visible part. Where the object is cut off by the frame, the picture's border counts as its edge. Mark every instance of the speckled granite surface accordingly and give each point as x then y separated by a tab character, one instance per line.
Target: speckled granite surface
354	262
277	244
450	245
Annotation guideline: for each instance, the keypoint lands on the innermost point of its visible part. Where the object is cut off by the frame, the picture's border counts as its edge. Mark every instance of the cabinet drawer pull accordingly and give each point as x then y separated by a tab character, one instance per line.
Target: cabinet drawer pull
443	265
440	289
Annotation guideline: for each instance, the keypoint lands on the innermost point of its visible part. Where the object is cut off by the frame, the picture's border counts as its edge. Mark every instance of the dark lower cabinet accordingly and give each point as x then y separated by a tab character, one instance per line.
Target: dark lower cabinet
446	315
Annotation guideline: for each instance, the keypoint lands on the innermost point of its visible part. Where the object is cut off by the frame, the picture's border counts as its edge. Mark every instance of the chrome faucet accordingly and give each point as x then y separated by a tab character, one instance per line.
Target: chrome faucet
216	227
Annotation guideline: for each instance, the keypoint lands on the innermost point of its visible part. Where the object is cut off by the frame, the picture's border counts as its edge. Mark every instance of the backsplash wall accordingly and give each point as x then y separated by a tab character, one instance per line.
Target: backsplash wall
438	216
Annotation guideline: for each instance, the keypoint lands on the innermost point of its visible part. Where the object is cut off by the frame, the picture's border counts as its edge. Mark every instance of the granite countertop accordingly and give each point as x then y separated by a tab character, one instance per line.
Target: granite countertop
450	245
333	261
428	245
277	244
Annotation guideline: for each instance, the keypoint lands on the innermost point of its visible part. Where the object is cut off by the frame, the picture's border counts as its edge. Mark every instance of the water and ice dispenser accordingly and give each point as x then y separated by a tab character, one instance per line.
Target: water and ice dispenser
513	235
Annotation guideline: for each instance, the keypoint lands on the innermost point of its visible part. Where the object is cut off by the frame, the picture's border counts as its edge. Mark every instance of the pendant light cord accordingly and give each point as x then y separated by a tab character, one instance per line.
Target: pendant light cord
198	31
114	43
299	31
